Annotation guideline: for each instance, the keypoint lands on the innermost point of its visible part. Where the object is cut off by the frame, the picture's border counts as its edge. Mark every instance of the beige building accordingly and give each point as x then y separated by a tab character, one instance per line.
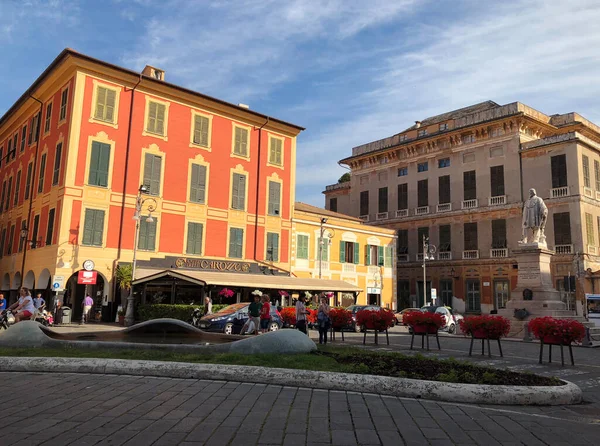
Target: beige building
460	179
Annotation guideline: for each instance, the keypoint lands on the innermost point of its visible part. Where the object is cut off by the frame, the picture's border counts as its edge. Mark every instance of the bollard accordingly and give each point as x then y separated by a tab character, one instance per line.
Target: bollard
587	341
527	335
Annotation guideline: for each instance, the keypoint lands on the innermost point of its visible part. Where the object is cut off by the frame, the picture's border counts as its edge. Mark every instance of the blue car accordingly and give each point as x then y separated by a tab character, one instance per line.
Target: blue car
232	318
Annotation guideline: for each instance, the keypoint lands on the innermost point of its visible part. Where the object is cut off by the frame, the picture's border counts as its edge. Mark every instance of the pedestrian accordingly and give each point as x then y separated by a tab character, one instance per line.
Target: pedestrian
39	302
87	304
323	320
207	306
301	313
265	314
2	302
253	316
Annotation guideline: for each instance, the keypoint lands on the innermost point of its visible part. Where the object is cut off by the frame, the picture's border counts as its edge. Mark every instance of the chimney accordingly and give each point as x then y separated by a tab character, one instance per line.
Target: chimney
417	124
154	72
246	106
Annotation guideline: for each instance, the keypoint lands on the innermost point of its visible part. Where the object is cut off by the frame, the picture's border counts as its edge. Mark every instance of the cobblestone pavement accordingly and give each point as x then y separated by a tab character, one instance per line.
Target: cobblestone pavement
81	409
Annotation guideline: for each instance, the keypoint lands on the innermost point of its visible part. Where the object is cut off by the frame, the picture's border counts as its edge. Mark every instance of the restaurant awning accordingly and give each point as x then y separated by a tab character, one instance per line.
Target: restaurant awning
259	281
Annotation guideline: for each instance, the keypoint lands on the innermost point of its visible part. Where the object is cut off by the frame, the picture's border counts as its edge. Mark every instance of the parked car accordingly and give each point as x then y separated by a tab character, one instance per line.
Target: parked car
355	309
400	314
232	318
452	317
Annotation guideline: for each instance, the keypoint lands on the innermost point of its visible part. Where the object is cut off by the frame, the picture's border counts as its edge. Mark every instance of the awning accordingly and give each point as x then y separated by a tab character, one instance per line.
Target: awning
247	280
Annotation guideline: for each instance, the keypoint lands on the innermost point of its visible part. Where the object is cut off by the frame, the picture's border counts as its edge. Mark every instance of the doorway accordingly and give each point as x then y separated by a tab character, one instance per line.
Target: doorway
501	293
446	292
473	302
75	293
373	299
422	298
403	295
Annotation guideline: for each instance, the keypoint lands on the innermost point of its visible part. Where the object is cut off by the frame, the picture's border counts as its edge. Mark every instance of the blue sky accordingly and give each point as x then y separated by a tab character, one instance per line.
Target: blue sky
350	71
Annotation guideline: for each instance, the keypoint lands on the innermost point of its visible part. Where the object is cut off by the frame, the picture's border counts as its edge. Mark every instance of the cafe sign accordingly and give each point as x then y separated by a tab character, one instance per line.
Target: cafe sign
213	265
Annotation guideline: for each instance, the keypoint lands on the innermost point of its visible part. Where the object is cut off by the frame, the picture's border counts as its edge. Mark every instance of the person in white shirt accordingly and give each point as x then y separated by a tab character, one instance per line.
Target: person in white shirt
301	313
24	307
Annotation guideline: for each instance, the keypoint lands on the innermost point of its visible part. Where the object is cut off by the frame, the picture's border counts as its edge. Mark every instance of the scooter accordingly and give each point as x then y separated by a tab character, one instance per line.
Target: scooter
196	315
6	319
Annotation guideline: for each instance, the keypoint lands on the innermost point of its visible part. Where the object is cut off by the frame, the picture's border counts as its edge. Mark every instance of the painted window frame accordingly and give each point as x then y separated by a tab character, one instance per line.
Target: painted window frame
105	213
270	162
194	114
48	117
248	129
231	180
117	89
274	259
298	252
64	107
243	245
146	131
189	222
279	205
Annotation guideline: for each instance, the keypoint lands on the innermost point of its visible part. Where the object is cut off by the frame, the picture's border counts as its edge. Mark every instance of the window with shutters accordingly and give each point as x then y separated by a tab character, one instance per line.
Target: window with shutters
302	247
498	234
469	185
445	238
156	120
276	151
106	106
402	241
240	141
403	196
11	240
15	144
470	234
597	174
48	119
201	130
322	248
364	202
423	193
57	160
333	204
99	164
64	100
374	255
9	151
194	238
349	252
8	194
17	189
3	196
34	234
444	189
3	242
28	180
589	229
272	254
42	174
93	227
22	239
422	232
152	173
50	230
198	183
147	235
562	228
274	203
585	163
33	129
558	167
383	199
236	243
389	259
497	180
23	138
1	154
238	191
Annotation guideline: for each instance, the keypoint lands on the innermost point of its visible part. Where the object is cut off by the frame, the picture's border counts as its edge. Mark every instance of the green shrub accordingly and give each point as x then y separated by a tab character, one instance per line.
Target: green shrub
147	312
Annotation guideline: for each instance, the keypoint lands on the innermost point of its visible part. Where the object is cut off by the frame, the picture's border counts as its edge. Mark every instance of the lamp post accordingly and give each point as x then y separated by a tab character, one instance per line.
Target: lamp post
323	221
139	203
428	251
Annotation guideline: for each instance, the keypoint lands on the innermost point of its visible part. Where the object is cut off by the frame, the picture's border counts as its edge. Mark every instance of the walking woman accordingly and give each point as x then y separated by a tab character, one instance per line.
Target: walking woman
301	313
323	320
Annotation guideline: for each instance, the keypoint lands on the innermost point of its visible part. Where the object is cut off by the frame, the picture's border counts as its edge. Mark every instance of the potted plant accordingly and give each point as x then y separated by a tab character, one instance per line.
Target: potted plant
288	316
226	292
340	319
121	315
379	320
424	322
485	326
550	330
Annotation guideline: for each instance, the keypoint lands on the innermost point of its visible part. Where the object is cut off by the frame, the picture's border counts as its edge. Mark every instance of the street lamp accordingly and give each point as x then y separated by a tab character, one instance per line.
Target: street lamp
428	251
323	221
32	243
137	215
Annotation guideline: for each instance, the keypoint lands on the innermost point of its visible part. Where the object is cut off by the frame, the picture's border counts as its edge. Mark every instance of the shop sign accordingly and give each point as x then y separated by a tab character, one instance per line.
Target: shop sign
214	265
373	290
58	283
87	277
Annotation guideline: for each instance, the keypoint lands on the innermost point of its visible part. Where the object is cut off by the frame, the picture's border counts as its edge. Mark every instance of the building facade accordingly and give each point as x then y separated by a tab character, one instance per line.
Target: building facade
460	180
334	246
79	144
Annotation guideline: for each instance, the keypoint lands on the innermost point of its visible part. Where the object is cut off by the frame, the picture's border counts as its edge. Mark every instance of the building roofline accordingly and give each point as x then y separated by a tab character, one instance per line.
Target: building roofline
71	52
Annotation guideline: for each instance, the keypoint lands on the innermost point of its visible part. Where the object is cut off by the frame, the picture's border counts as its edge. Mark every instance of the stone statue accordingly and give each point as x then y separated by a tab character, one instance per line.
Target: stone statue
535	214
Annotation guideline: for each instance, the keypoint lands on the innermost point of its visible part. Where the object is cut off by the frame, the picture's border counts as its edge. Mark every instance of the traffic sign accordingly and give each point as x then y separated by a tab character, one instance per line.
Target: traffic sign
434	295
58	283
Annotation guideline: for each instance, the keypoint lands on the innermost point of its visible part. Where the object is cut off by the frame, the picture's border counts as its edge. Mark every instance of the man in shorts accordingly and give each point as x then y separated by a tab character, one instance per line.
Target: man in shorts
23	308
87	304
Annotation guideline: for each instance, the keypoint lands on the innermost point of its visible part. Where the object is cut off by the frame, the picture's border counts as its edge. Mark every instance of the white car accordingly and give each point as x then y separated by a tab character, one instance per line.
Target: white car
452	317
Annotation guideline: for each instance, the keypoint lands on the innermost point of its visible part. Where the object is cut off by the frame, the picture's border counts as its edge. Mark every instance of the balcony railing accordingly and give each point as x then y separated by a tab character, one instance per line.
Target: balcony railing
445	255
471	254
559	192
364	217
423	210
592	250
498	200
444	207
497	253
401	213
564	249
470	204
324	265
420	257
598	195
381	216
349	268
373	269
403	258
588	192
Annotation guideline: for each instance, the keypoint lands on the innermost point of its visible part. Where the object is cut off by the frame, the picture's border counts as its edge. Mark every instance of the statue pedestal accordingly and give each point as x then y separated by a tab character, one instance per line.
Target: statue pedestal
533	260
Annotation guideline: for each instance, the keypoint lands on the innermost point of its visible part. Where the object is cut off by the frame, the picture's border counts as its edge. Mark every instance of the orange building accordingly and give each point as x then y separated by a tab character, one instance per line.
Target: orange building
79	143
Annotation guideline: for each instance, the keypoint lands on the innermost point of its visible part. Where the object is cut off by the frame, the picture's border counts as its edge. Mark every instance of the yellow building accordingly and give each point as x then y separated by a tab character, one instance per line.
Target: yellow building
351	251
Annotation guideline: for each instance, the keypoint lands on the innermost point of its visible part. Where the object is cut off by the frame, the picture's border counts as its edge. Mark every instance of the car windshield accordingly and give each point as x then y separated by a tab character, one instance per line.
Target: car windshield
232	308
355	308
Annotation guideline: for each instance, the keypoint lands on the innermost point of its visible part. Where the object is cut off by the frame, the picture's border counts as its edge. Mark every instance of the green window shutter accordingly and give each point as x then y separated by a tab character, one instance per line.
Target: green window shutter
274	197
42	174
302	248
109	112
368	255
28	180
201	130
276	247
198	184
17	188
238	194
241	141
88	227
231	242
199	235
194	241
99	162
236	239
356	253
388	256
94	163
100	102
57	157
50	231
272	247
380	255
147	236
152	235
342	252
148	160
160	119
152	117
98	228
143	235
152	173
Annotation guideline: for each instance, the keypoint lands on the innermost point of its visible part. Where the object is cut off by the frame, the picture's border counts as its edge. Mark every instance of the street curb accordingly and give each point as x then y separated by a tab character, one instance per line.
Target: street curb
401	387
